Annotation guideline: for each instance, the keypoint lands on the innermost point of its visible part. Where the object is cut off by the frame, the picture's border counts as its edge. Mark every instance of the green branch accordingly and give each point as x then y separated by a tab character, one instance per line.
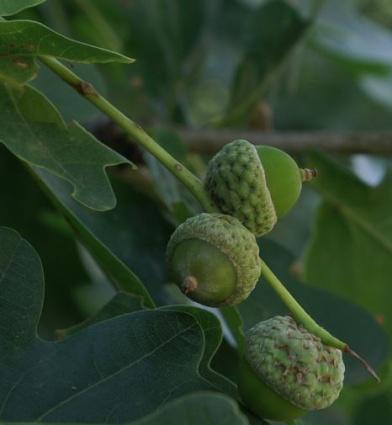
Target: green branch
188	179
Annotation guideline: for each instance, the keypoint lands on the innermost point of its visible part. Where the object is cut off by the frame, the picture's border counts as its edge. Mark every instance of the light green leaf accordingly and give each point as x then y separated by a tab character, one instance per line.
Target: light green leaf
101	374
10	7
351	249
378	87
353	39
33	130
22	42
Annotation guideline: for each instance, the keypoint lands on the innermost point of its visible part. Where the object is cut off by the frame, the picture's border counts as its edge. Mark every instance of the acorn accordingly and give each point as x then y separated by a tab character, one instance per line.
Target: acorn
214	259
257	185
286	371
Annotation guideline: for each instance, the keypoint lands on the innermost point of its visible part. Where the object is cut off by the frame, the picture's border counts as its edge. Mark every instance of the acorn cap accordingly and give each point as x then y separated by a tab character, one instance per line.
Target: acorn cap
214	259
295	363
237	185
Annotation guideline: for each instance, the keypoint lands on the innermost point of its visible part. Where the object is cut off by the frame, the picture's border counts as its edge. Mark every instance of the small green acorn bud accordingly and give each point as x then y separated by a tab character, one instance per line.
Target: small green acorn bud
286	371
257	185
214	259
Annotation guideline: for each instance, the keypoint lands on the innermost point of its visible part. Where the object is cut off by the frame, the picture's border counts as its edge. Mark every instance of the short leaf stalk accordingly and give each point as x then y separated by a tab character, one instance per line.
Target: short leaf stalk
195	186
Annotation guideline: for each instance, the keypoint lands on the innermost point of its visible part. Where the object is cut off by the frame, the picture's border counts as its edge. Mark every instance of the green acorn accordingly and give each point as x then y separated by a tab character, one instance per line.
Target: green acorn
286	371
214	259
257	185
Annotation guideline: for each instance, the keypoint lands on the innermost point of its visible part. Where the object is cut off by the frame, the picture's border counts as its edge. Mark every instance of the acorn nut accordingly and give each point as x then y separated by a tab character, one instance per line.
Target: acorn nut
284	177
257	185
214	259
286	371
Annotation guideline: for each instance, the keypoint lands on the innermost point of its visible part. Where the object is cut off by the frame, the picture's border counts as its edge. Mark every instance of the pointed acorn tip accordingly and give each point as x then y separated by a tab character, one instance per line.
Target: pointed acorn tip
189	284
366	365
308	174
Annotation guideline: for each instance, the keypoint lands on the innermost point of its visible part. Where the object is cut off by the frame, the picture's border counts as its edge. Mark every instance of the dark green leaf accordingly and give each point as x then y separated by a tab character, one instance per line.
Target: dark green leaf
233	320
22	42
375	410
10	7
332	415
130	239
176	197
162	35
110	372
205	407
33	130
127	240
273	31
213	338
94	24
112	266
25	208
293	230
121	303
351	249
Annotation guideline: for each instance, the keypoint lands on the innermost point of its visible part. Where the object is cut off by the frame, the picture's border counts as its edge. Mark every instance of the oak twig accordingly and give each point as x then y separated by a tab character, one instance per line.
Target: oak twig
209	141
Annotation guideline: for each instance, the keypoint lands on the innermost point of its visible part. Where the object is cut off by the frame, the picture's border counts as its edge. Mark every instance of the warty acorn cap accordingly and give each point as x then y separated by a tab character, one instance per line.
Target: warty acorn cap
295	363
237	185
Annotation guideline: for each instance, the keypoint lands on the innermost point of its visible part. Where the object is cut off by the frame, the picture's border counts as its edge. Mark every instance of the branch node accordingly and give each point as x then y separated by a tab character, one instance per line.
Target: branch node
86	89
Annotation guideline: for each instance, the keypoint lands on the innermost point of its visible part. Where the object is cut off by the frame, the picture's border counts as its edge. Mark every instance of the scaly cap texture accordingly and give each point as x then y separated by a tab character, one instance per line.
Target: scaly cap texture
295	363
237	185
231	238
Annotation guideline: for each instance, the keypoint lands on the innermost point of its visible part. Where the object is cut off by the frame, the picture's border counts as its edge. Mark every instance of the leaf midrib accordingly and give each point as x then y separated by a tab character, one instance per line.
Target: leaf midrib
365	225
84	390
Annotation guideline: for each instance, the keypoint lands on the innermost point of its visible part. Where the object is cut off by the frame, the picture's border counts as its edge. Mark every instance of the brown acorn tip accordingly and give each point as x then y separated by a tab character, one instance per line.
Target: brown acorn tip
308	174
366	365
189	284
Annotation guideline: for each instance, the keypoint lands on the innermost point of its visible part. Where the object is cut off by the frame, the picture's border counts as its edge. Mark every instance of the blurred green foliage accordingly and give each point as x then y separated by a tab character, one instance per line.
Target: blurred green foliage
289	64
